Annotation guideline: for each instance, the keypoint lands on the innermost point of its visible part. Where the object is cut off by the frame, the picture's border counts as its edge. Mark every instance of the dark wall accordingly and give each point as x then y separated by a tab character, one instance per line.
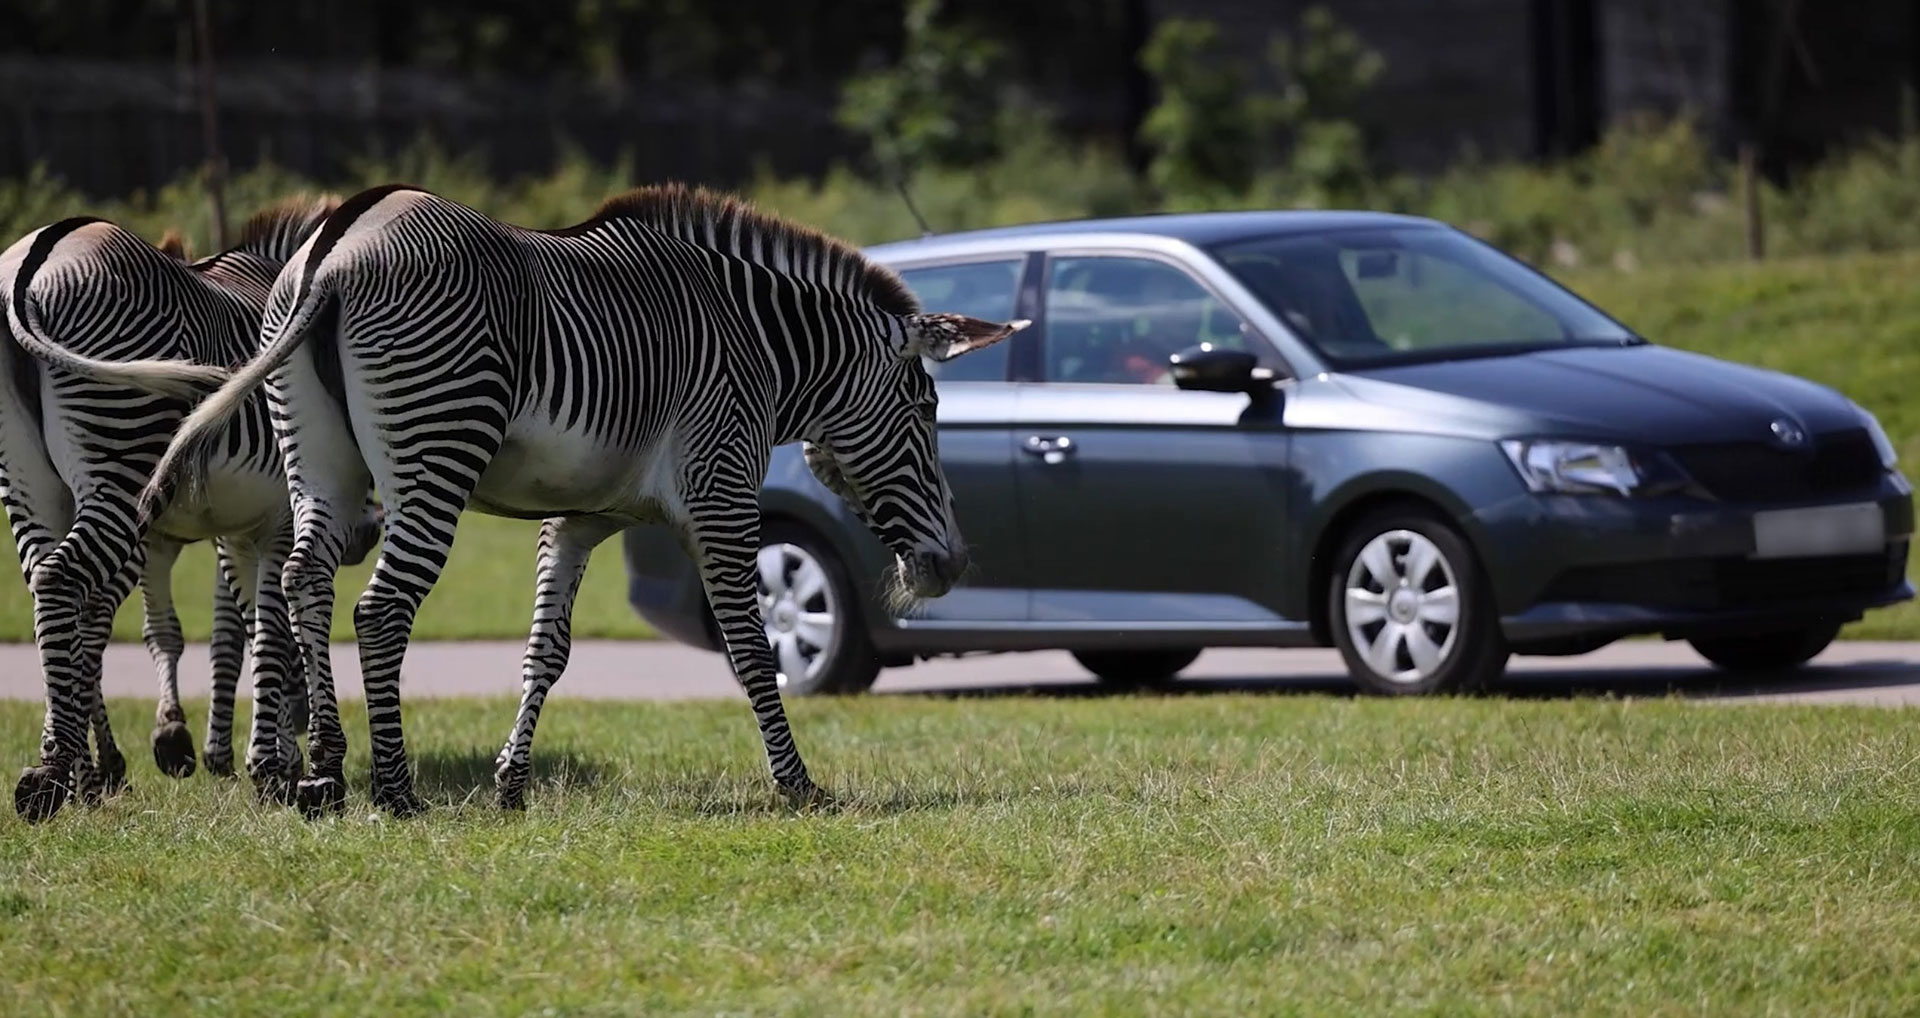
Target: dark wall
102	91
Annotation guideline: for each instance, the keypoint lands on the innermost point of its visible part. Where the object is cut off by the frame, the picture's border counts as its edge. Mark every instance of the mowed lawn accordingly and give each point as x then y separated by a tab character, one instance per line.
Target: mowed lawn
486	591
1199	854
1850	322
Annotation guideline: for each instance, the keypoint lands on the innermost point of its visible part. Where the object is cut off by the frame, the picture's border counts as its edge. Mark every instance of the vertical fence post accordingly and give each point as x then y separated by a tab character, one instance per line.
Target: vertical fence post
215	170
1750	195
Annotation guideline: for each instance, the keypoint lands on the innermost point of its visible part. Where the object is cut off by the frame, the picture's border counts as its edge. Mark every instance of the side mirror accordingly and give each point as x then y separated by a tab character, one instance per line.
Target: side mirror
1208	368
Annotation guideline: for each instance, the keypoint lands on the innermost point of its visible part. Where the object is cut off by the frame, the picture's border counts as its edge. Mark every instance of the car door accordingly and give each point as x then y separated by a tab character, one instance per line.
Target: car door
976	441
1143	502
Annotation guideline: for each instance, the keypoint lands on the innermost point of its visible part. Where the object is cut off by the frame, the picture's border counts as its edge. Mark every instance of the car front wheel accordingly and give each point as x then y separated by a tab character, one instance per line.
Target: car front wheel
1411	610
1777	651
812	618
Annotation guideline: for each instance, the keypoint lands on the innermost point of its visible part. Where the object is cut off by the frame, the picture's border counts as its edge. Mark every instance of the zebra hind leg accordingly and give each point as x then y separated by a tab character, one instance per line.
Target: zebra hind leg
96	629
172	743
228	652
383	619
100	545
309	585
565	544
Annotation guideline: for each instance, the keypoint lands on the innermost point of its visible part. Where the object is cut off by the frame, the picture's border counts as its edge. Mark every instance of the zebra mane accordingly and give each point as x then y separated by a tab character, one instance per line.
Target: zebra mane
277	231
734	226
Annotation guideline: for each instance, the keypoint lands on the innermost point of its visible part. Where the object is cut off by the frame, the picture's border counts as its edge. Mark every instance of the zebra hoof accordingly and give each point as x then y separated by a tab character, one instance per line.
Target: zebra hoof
510	783
270	784
808	797
220	765
319	796
113	776
402	804
173	750
40	793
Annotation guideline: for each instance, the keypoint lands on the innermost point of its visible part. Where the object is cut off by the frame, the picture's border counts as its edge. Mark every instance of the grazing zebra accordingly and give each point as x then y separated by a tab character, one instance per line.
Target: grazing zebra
121	336
636	367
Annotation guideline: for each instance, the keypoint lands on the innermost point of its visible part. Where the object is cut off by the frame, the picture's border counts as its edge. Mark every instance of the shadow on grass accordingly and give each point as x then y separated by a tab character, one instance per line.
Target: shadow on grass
1521	683
467	777
468	774
693	794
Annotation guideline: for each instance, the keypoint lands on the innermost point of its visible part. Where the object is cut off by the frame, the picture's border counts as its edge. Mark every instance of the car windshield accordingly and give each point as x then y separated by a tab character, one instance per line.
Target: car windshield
1371	297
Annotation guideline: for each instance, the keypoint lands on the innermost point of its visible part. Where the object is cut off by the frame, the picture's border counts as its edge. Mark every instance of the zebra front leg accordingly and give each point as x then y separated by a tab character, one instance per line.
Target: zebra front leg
726	541
172	743
565	544
272	773
227	649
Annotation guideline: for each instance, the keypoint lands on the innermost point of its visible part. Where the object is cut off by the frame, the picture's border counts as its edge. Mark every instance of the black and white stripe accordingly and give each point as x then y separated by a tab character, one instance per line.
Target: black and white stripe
109	341
637	367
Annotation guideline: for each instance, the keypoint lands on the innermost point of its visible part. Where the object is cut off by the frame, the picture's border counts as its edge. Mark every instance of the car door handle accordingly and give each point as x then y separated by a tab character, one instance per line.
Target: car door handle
1050	448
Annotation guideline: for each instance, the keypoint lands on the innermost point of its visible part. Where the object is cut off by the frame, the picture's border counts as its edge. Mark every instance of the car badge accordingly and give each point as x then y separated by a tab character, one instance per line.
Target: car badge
1788	434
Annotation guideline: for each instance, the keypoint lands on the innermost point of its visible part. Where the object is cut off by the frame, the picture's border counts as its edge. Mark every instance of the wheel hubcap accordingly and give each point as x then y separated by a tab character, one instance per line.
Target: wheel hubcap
800	613
1402	606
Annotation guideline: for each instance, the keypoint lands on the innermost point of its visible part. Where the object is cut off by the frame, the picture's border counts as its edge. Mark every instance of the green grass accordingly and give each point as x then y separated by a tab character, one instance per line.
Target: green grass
486	591
1203	854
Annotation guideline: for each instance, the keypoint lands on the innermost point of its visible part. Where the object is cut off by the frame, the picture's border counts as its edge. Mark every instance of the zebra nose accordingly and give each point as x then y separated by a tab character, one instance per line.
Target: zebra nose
936	572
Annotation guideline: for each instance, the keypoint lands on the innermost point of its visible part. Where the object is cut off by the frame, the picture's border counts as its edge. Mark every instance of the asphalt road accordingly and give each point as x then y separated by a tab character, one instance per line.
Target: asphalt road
1886	674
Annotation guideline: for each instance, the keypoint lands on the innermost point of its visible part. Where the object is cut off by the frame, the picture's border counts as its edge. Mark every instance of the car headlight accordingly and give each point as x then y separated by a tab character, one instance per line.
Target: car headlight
1576	468
1881	443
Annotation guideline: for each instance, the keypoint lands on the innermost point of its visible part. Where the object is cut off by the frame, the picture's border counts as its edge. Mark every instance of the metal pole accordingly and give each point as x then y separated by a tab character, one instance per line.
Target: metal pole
215	169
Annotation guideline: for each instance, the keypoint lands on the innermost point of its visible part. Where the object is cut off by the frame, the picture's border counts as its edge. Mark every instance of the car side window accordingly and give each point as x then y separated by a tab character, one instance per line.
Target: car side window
987	290
1113	319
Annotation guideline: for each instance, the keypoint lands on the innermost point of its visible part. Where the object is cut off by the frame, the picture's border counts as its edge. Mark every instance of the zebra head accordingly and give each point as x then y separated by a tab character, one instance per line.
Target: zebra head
883	456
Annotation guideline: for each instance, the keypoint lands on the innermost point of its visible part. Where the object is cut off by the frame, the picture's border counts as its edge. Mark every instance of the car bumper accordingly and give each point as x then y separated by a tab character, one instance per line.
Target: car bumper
1572	569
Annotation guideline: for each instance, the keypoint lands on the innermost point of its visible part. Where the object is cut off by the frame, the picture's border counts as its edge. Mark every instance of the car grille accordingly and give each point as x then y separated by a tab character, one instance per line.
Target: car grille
1837	463
1733	583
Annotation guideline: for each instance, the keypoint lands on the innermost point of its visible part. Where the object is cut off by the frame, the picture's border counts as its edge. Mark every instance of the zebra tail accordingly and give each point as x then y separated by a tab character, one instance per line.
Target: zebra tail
184	465
179	379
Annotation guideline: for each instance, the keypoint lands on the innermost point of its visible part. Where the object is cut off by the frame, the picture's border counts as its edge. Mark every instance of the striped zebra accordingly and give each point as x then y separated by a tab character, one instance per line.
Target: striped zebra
111	340
636	367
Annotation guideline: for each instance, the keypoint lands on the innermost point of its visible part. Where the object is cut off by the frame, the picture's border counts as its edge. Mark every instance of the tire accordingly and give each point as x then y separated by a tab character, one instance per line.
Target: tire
817	620
1425	653
1779	650
1130	669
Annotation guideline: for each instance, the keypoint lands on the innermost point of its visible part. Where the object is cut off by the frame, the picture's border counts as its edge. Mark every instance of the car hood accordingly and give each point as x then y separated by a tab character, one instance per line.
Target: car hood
1646	394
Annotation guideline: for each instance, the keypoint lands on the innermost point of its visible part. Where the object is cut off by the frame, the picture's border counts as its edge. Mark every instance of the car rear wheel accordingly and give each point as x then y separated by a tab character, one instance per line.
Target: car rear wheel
1779	650
812	617
1411	610
1127	669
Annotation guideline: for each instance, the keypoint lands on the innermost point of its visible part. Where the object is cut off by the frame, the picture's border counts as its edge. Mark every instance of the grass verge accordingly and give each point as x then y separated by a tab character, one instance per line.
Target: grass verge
1196	854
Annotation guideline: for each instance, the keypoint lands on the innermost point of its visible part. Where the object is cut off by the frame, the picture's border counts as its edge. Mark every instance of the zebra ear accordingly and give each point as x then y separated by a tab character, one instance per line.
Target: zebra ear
173	244
942	337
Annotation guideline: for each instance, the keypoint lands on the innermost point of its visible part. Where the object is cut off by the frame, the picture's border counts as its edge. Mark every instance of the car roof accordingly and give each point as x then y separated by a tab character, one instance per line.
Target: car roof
1201	229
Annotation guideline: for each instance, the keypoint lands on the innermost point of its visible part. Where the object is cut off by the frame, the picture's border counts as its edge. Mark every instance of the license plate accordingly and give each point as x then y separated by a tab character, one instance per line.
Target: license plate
1822	530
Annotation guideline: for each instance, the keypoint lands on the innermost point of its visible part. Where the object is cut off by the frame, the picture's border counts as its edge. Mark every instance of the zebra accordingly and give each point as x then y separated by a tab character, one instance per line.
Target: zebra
636	367
231	630
120	337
